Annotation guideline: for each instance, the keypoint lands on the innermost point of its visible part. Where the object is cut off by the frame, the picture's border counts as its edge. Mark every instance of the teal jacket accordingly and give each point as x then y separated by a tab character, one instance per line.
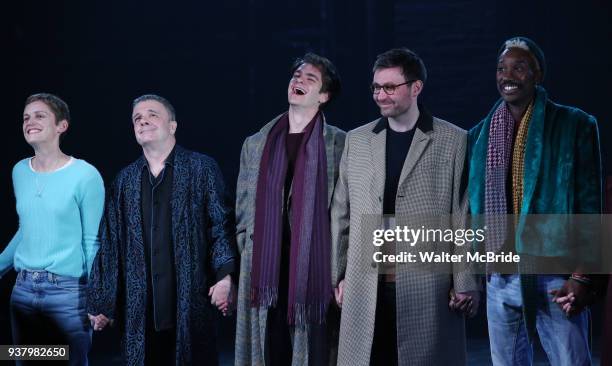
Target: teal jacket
562	176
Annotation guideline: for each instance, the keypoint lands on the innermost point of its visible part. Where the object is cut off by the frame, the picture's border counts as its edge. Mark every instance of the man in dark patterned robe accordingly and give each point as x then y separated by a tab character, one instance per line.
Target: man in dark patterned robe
167	254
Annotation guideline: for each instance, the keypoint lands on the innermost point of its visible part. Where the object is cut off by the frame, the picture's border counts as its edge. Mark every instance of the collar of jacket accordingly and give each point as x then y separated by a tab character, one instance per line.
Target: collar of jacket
268	126
533	155
424	123
176	154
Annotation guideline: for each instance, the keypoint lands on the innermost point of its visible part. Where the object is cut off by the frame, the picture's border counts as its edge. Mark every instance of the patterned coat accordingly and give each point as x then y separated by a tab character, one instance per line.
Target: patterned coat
251	323
204	252
562	176
431	183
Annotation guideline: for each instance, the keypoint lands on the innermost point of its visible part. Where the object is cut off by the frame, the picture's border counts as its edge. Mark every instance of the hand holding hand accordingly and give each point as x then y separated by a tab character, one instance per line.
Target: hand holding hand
99	322
339	294
573	297
223	295
465	302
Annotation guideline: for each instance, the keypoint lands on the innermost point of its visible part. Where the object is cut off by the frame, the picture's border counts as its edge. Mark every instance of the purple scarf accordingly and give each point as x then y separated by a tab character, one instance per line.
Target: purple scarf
309	263
499	151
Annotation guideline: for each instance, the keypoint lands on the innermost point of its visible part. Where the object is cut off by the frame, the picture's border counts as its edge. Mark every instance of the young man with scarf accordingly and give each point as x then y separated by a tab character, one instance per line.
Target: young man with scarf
166	243
533	156
287	175
406	163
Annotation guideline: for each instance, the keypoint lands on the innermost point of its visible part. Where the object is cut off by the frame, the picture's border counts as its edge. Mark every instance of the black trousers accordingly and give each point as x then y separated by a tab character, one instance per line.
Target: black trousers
384	345
160	346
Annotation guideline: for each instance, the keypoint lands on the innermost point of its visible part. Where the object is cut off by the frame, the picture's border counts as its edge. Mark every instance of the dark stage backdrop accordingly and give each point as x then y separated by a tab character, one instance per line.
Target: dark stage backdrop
225	67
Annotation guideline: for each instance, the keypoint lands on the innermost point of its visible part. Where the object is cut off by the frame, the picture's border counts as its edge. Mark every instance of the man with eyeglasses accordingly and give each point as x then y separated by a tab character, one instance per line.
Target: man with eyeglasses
404	163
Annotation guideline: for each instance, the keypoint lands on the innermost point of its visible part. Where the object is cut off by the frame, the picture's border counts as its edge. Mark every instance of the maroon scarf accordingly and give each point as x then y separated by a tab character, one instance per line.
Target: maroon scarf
309	263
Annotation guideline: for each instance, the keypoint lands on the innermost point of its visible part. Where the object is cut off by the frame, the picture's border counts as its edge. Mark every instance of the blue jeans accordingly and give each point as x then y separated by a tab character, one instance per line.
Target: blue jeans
50	309
565	340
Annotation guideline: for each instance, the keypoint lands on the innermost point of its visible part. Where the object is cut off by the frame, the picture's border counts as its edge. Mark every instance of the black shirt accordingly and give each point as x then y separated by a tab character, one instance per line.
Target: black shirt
158	244
396	150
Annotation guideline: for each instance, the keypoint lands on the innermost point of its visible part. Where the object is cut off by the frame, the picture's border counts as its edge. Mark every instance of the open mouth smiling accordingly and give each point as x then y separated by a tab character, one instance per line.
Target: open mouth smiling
298	90
33	130
509	86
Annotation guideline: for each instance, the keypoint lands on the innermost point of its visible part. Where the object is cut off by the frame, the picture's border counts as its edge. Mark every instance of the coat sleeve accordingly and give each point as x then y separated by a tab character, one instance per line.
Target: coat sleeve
340	219
587	175
588	199
220	219
105	278
464	277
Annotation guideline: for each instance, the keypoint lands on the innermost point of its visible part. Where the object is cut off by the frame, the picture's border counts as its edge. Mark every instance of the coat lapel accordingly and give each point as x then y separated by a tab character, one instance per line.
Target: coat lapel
262	138
330	144
533	149
134	211
180	183
378	142
419	143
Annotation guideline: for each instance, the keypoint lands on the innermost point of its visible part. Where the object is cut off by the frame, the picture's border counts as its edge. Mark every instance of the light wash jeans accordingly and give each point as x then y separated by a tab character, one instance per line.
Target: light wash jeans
565	340
51	309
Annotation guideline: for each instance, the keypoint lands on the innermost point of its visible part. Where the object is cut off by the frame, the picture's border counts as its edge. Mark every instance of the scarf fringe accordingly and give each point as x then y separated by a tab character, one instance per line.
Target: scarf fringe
265	297
302	314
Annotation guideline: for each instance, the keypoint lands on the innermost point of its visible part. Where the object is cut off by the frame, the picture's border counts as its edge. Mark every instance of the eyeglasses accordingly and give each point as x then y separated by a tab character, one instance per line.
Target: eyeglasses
388	88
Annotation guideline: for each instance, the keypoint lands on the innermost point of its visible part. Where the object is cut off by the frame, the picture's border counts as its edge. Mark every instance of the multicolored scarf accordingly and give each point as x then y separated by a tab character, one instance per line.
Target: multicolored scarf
500	155
527	266
501	133
518	161
310	288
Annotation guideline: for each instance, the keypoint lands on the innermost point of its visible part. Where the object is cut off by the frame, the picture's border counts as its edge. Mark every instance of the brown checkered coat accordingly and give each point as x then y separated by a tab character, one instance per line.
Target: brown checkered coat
428	333
251	322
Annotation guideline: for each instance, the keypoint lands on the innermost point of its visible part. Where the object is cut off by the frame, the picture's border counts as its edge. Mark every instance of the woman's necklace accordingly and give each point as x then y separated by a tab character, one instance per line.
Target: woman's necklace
40	187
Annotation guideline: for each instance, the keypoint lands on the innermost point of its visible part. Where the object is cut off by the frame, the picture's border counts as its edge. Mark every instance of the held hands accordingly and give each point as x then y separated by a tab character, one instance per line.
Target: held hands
464	302
339	294
573	297
223	295
99	322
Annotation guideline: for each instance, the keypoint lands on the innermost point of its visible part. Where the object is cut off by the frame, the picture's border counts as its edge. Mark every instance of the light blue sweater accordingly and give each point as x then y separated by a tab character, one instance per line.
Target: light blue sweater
59	214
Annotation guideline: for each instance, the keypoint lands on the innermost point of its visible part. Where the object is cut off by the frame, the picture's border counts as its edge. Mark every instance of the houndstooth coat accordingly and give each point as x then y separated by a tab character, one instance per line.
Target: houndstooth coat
251	322
432	182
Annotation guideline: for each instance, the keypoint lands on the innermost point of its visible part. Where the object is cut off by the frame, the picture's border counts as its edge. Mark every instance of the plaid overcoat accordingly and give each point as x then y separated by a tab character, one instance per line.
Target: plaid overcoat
432	183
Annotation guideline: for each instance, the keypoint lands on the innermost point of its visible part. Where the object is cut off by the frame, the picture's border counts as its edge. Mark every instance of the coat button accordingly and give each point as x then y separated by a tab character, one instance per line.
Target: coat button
373	264
251	236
